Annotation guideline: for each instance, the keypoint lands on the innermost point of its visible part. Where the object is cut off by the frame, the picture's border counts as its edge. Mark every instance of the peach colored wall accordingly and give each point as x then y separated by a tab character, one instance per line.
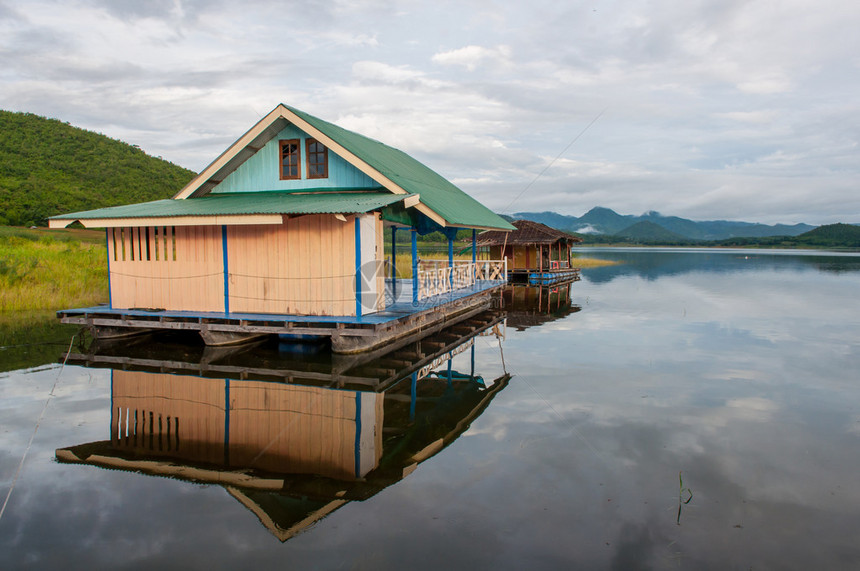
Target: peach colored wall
304	266
282	428
175	268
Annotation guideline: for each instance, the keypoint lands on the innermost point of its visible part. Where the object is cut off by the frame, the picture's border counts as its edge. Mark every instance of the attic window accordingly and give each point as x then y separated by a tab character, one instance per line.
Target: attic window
291	160
317	155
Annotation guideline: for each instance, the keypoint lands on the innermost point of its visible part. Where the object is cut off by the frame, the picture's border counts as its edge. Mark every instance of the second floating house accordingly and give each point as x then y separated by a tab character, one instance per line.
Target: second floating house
534	253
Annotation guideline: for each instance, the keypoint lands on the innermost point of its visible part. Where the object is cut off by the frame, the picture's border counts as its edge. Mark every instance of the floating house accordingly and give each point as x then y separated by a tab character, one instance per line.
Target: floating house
283	234
292	444
534	253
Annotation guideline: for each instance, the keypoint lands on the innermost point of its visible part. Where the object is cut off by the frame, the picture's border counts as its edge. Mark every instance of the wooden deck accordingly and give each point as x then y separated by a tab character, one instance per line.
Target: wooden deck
402	318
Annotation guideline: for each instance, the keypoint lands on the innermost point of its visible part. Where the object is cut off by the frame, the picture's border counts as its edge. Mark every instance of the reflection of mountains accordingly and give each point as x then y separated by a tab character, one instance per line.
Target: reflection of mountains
291	451
531	306
651	264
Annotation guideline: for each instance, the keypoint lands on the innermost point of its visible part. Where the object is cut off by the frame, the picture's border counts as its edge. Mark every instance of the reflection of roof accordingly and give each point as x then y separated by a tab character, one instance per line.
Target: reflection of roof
527	232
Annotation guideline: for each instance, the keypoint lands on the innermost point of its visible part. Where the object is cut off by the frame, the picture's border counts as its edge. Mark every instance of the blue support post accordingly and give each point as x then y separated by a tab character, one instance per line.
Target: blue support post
414	396
394	263
226	422
226	270
415	266
357	267
474	245
393	252
450	372
357	434
451	262
472	375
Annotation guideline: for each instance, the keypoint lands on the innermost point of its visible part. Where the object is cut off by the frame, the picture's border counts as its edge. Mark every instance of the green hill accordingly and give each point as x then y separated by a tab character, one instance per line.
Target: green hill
48	167
646	231
831	235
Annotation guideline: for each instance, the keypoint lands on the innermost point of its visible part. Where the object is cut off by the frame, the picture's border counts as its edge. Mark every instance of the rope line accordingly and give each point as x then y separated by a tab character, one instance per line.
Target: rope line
36	428
552	162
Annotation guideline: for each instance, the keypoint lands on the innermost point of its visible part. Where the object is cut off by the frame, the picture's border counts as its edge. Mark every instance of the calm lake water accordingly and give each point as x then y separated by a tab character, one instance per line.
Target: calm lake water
683	409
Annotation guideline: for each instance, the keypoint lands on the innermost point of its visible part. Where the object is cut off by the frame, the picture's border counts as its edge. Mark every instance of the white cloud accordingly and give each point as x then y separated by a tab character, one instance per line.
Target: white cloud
712	109
471	57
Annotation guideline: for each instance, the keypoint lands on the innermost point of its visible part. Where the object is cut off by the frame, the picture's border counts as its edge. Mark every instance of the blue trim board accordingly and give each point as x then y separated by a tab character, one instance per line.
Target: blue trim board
226	270
357	267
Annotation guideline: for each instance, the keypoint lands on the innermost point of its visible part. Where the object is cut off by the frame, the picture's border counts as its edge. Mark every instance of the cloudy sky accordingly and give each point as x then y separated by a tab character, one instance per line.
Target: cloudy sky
707	109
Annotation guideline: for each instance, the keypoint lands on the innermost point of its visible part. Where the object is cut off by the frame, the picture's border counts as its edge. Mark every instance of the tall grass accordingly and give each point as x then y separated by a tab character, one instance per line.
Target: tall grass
47	273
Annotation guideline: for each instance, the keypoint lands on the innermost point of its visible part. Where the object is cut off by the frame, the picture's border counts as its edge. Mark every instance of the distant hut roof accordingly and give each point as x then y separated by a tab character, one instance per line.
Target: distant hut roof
527	232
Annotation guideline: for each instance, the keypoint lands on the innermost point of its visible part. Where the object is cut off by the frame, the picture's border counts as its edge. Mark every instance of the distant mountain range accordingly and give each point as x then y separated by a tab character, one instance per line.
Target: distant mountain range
653	226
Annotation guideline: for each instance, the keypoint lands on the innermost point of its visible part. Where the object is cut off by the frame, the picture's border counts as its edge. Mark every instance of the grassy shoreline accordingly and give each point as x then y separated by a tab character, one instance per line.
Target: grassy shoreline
44	269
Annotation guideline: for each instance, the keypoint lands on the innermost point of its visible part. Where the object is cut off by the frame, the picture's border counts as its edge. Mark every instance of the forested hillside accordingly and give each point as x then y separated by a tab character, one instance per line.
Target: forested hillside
48	167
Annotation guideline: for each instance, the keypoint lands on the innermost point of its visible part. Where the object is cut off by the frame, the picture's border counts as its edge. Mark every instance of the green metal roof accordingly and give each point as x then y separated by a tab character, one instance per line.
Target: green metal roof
439	194
247	203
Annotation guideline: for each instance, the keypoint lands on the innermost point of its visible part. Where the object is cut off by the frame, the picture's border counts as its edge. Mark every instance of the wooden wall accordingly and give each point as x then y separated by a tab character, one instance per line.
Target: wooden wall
305	266
174	416
175	268
526	257
248	424
304	430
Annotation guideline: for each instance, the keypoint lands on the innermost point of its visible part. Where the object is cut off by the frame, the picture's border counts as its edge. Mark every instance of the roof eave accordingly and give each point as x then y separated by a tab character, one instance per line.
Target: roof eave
138	221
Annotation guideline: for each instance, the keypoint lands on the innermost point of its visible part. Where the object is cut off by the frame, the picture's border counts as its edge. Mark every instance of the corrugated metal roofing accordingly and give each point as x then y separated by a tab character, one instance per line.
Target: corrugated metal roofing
247	203
439	194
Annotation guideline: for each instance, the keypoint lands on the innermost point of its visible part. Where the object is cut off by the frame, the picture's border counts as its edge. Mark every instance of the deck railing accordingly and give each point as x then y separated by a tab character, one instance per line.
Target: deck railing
559	265
436	277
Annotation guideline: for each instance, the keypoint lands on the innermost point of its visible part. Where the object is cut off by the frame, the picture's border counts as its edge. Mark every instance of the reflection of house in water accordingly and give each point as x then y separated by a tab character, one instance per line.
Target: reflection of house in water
331	431
529	306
